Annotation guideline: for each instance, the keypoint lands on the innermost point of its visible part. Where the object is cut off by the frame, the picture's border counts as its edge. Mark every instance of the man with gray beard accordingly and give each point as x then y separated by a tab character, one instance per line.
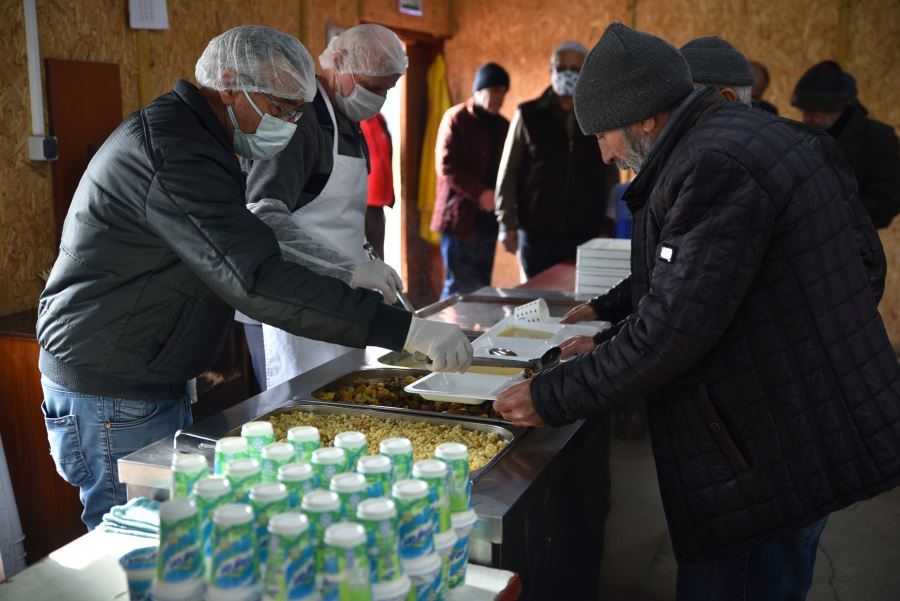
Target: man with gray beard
772	390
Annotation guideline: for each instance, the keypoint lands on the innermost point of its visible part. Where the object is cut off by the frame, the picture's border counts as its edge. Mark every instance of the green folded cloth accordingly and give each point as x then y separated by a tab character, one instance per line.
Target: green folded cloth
138	517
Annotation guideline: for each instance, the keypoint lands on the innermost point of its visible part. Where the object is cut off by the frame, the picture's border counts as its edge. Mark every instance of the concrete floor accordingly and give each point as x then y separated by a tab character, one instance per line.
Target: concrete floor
858	560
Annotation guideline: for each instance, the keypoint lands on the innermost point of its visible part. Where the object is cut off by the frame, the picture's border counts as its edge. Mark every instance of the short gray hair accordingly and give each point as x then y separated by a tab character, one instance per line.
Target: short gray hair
568	46
742	92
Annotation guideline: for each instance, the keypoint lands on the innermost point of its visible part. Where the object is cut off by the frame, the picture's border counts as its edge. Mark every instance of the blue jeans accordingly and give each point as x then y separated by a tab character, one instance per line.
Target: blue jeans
781	570
88	434
467	263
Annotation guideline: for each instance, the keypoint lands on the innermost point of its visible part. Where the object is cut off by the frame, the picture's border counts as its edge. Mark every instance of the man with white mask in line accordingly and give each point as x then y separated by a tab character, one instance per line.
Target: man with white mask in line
157	251
313	195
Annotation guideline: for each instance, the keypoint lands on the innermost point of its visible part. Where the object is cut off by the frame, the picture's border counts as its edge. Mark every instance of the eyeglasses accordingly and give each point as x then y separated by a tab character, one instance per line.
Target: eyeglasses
291	114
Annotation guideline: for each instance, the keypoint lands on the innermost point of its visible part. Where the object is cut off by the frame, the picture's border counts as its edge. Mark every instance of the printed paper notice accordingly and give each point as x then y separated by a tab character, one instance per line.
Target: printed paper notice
148	14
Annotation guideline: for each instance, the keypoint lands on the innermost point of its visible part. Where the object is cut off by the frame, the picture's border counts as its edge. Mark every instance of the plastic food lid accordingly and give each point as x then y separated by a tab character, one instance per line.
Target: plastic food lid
288	524
212	488
278	450
188	461
429	468
186	590
321	501
444	541
268	492
350	440
257	429
232	514
410	490
451	451
463	519
348	482
242	467
139	559
303	434
329	456
177	509
295	472
393	589
421	566
376	509
345	534
395	446
374	464
232	444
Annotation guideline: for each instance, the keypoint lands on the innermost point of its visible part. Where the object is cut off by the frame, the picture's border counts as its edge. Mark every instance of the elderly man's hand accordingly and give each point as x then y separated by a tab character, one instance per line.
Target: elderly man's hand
582	312
577	345
516	405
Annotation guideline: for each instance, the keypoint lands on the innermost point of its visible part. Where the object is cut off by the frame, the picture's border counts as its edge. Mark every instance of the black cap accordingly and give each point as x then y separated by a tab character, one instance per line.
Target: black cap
490	75
715	62
824	87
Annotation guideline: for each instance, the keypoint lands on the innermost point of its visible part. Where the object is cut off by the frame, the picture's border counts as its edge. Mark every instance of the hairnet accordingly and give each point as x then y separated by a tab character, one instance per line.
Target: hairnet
569	46
368	50
263	60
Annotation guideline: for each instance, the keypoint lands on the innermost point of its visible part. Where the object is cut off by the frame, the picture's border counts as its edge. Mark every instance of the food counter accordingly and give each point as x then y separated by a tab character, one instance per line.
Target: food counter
538	501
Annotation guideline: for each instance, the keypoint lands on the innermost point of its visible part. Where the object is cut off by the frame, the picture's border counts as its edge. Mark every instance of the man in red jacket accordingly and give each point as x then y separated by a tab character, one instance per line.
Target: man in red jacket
381	178
467	156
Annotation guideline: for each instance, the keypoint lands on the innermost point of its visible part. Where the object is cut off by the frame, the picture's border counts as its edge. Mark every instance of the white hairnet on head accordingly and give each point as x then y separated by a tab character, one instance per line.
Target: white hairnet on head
262	59
367	50
570	46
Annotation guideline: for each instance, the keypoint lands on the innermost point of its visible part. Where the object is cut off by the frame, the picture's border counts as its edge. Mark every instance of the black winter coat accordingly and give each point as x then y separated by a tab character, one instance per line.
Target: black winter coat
773	392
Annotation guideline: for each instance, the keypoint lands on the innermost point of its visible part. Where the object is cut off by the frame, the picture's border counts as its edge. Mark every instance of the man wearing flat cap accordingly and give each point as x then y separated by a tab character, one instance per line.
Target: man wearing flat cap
827	96
773	393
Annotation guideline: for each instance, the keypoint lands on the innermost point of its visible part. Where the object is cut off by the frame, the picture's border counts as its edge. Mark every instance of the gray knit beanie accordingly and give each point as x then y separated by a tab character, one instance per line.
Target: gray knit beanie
715	62
629	76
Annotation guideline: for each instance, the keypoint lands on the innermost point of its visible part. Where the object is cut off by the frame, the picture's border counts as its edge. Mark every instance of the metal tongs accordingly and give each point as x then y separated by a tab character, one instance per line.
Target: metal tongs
404	300
536	365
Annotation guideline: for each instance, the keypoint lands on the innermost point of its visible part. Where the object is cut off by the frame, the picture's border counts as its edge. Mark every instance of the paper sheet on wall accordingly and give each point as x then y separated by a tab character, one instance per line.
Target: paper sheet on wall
148	14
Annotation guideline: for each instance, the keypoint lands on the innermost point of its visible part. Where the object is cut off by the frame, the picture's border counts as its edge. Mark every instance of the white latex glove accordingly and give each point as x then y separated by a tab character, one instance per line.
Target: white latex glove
443	343
377	275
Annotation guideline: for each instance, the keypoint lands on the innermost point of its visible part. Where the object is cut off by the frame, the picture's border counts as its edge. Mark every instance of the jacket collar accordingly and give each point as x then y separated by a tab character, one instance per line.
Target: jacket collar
851	137
695	108
191	96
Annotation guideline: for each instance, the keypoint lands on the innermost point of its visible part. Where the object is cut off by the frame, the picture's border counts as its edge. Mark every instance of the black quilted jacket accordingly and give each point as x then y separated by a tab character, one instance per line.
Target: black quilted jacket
773	392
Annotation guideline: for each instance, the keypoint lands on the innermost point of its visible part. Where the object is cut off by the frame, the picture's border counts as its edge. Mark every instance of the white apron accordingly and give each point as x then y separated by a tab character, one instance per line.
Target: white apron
338	214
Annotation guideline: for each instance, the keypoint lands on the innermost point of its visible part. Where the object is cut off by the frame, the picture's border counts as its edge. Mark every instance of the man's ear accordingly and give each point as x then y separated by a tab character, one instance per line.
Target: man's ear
648	125
729	94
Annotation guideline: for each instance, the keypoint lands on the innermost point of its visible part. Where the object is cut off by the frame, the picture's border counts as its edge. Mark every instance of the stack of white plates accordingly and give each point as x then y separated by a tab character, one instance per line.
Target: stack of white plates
602	263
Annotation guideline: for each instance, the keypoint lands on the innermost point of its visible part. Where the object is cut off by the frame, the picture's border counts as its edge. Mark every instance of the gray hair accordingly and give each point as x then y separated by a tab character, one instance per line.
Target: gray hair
568	46
743	92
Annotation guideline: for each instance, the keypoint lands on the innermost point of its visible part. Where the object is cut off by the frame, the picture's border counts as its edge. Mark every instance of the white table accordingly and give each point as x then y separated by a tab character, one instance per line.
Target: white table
87	569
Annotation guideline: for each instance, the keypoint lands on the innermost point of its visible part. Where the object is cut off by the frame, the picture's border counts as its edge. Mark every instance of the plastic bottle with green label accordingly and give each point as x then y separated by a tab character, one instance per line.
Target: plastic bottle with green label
351	488
400	452
346	568
299	479
257	435
274	456
379	518
243	474
456	456
354	444
328	462
187	469
305	439
234	564
291	566
209	494
228	449
266	500
436	474
377	471
179	567
322	508
414	524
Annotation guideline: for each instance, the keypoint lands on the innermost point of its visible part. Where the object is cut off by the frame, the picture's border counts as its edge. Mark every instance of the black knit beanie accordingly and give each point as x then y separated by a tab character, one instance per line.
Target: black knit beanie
489	75
715	62
629	76
824	87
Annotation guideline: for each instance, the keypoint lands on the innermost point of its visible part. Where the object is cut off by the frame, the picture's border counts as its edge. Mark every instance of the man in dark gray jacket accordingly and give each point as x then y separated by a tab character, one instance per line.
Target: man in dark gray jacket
157	251
773	393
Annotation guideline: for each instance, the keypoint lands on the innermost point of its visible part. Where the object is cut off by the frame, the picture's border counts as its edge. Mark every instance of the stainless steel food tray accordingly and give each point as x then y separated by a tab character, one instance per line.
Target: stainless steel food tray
383	373
510	434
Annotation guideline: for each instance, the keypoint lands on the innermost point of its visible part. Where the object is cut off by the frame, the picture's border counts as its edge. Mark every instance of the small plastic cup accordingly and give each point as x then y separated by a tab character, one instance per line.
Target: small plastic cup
379	518
257	435
346	571
299	479
414	524
463	523
140	567
394	590
443	546
328	462
400	452
229	449
274	456
322	508
187	470
266	500
354	444
179	569
243	474
377	470
456	456
425	575
436	474
305	439
351	488
536	311
291	566
209	494
234	565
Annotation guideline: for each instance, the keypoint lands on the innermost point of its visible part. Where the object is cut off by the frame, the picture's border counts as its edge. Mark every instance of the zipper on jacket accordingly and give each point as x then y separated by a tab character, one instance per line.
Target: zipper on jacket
717	427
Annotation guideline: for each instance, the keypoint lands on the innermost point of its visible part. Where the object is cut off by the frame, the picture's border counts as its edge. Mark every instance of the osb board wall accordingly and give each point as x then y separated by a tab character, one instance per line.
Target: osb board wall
788	36
97	30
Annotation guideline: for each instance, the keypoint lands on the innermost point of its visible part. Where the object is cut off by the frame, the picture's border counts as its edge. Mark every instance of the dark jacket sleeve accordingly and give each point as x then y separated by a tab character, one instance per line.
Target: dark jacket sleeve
450	157
236	255
719	227
616	304
879	188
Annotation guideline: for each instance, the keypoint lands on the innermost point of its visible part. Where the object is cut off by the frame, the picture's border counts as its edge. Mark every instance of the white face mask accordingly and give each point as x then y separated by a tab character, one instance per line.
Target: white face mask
563	82
360	105
271	137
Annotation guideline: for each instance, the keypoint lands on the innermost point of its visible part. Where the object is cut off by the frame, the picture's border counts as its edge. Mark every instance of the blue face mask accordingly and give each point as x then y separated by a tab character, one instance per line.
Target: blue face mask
270	138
